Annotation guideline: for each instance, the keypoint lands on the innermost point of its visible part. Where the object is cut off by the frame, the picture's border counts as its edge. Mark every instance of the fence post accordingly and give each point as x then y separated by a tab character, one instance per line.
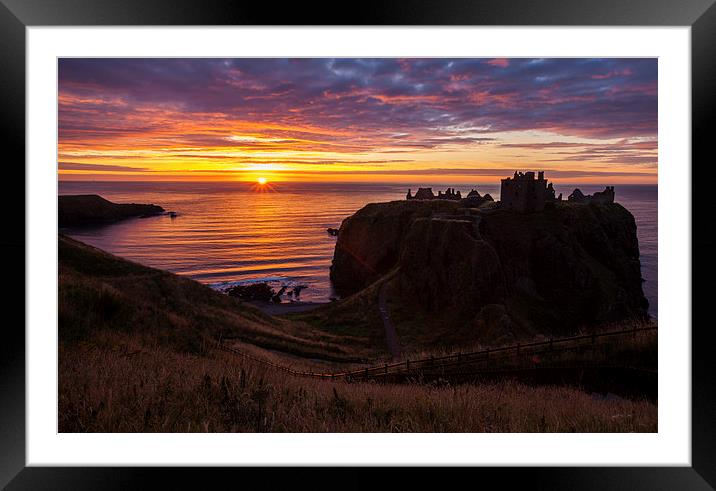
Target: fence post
407	365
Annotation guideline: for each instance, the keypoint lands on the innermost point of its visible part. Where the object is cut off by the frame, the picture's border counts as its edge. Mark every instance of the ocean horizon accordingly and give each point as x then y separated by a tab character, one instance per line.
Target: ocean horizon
230	233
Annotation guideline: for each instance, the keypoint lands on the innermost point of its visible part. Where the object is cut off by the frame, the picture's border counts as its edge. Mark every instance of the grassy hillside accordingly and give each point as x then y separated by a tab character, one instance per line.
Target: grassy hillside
101	292
135	388
356	316
135	355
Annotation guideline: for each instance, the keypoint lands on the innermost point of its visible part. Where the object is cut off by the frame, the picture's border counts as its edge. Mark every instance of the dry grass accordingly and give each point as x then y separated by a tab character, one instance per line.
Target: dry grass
355	318
640	348
419	336
121	385
136	355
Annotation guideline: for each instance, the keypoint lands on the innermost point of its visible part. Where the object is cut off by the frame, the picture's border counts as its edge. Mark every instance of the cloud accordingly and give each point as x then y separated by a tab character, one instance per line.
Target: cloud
98	167
355	106
623	152
490	172
500	62
508	95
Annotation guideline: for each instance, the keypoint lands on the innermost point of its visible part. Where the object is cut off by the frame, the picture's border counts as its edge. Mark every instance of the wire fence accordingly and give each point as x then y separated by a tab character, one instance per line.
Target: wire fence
458	360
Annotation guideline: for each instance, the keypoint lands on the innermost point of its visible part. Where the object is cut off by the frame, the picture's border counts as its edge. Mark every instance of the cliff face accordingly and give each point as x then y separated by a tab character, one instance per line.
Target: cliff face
369	242
444	265
571	266
506	273
91	209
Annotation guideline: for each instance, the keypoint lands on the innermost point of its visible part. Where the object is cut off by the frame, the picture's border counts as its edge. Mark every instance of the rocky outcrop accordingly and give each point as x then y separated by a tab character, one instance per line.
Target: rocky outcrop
369	242
252	291
91	209
570	266
444	264
506	273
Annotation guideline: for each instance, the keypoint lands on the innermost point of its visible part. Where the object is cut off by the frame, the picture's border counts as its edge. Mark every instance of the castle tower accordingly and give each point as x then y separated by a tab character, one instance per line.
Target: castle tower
525	194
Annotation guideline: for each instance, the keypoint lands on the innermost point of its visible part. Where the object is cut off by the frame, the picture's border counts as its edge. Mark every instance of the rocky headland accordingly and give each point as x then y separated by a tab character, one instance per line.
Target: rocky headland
91	209
499	273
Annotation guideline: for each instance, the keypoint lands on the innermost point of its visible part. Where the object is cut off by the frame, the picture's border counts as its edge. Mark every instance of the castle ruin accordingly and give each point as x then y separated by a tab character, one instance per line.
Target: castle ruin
525	194
423	193
606	196
427	193
450	194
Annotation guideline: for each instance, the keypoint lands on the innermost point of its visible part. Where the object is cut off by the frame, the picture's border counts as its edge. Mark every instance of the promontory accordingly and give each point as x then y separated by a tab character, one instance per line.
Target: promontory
502	271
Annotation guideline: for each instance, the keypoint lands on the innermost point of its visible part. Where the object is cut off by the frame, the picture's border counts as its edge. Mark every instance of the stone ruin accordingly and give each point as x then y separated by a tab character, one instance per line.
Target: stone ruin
449	194
427	193
473	194
606	196
525	194
473	197
423	193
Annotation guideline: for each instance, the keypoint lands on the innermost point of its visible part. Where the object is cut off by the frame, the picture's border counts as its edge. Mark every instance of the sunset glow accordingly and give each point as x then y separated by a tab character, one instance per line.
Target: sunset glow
389	120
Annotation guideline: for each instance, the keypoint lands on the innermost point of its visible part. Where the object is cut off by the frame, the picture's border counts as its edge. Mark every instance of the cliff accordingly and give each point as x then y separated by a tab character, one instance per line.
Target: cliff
504	274
91	209
369	242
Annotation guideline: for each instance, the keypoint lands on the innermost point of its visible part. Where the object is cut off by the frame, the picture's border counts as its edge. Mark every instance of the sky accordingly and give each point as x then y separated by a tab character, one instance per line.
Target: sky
382	119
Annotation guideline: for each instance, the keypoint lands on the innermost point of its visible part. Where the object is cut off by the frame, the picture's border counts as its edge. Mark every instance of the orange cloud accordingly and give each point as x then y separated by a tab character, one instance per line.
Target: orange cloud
500	62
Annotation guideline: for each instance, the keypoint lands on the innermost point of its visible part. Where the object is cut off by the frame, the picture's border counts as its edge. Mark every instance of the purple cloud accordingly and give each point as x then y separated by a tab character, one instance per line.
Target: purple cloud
354	104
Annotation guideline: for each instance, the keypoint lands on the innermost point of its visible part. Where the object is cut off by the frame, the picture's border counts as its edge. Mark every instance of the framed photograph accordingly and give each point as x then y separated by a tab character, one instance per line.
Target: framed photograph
426	236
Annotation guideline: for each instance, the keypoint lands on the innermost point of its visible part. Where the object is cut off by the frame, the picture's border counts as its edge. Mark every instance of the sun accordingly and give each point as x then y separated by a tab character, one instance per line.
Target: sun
262	185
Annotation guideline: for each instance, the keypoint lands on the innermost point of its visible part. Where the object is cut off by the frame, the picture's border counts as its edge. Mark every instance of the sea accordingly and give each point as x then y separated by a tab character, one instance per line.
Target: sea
231	233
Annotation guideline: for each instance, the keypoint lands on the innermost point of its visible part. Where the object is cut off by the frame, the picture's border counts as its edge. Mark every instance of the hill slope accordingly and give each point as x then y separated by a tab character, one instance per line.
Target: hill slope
134	357
101	292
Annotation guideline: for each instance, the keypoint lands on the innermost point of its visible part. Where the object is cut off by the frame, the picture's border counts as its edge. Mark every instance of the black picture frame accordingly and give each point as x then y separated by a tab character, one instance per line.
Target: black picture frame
700	15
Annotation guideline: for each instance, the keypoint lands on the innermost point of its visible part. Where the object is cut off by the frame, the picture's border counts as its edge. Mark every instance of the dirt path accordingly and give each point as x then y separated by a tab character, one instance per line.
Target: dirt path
391	338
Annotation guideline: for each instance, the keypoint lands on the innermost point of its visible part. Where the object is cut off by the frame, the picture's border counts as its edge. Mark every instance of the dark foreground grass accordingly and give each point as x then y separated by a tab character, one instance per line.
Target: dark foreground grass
136	355
118	384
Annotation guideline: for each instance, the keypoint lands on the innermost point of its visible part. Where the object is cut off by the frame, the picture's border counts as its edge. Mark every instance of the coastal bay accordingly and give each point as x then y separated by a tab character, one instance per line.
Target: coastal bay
228	233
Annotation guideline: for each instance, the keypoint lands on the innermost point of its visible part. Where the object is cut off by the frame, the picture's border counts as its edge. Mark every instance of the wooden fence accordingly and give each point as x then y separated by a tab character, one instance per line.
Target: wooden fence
459	360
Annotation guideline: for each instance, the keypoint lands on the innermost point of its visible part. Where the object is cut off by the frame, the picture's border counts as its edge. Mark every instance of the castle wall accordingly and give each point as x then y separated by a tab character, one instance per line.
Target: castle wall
523	193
